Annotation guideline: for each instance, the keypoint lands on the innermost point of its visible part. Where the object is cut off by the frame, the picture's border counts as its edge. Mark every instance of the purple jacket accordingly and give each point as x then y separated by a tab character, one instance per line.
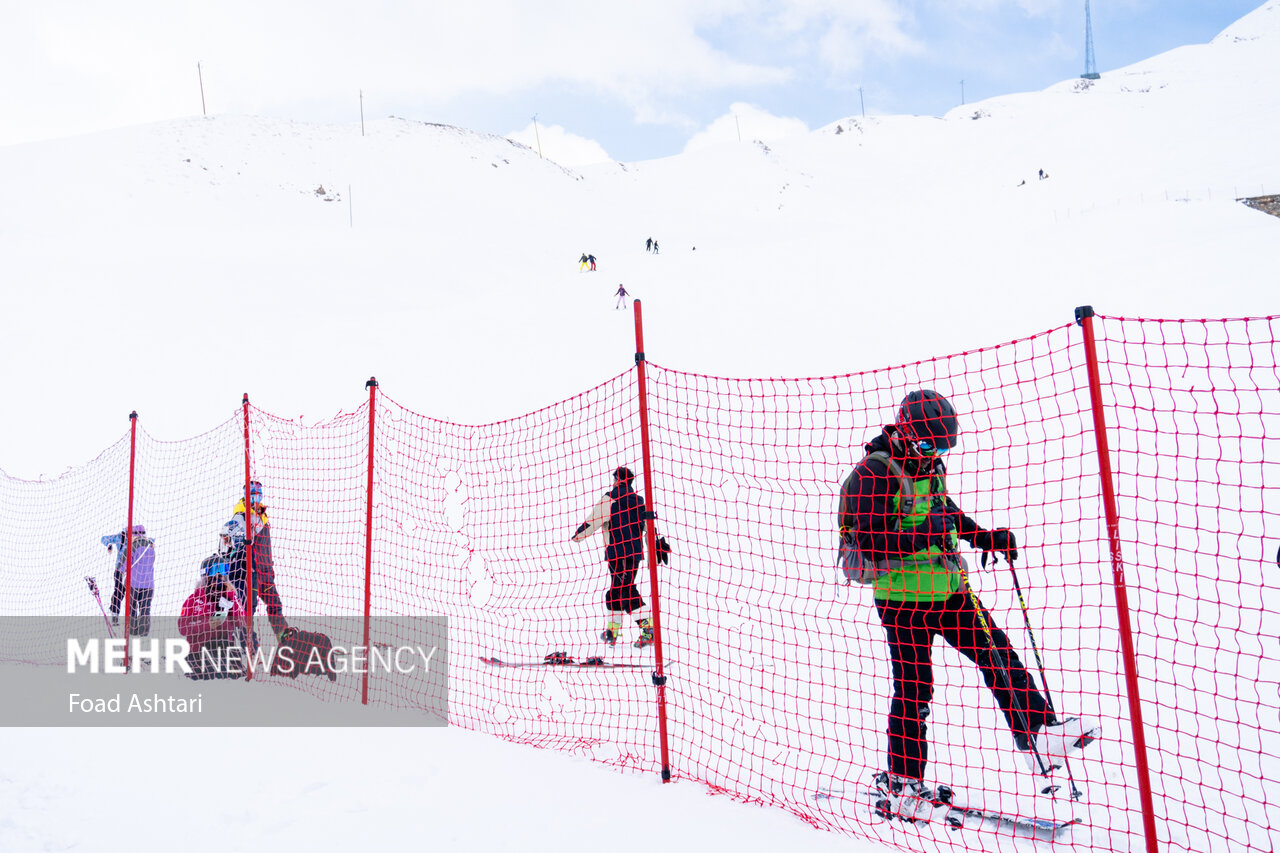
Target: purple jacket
144	558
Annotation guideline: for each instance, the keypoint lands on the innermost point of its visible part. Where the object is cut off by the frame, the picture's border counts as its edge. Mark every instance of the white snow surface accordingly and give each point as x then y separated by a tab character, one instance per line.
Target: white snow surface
170	268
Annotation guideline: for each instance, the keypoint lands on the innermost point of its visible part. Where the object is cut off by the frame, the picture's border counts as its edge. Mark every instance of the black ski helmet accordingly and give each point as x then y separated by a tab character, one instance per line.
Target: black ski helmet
926	415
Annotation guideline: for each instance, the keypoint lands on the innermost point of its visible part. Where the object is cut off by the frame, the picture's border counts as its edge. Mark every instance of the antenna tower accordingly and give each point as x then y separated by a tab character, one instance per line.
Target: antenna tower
1090	66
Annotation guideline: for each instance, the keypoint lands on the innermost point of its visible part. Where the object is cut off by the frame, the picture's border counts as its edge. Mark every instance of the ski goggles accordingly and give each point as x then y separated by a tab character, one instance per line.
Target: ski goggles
255	492
217	570
926	448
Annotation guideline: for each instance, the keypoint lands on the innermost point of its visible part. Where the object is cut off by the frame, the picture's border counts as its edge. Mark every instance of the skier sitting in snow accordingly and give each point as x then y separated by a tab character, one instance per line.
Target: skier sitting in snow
211	621
921	591
620	513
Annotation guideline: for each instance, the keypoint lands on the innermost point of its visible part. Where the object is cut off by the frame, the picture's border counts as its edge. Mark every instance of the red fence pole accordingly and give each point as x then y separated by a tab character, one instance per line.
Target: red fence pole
1084	317
248	537
128	535
372	385
659	679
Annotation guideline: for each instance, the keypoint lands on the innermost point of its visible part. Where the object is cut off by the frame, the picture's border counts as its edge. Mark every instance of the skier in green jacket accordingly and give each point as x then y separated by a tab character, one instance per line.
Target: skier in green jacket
909	550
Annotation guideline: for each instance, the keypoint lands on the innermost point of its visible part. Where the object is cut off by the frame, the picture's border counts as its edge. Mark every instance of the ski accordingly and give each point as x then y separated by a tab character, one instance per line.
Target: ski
560	659
1044	828
957	815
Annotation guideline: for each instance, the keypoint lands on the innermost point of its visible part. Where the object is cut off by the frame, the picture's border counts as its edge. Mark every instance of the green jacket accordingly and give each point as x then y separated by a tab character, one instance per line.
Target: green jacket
897	531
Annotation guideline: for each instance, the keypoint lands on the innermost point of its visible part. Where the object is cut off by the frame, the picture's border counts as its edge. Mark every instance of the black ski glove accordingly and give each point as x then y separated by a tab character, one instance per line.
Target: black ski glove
991	541
581	527
664	550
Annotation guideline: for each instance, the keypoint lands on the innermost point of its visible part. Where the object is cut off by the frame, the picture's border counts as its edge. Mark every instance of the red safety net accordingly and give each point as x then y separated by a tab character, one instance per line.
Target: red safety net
779	678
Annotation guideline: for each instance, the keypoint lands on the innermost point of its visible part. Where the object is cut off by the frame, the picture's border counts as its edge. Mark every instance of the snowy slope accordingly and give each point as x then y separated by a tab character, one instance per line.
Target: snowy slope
434	247
169	268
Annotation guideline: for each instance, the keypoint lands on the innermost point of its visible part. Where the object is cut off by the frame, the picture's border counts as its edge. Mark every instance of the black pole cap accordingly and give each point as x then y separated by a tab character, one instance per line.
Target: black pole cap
1082	312
372	383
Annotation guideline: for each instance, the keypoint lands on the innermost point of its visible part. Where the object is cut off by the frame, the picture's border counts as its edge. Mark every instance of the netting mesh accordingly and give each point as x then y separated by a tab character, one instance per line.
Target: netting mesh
780	677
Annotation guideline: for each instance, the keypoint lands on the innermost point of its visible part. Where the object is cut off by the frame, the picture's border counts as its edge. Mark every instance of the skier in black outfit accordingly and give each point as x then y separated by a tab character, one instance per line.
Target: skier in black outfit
909	550
620	513
251	530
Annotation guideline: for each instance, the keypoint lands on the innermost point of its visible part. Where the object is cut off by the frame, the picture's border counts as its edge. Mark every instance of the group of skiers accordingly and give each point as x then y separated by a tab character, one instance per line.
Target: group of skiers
899	533
216	611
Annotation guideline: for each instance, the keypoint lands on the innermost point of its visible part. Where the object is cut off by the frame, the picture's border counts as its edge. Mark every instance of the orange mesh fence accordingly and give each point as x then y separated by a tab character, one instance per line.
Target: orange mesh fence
780	684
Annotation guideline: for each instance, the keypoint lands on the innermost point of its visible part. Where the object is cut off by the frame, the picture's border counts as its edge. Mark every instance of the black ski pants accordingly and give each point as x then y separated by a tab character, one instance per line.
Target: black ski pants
264	584
623	595
139	606
911	627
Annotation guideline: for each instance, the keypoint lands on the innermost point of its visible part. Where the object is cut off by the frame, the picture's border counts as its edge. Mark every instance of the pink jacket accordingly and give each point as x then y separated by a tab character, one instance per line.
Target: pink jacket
195	620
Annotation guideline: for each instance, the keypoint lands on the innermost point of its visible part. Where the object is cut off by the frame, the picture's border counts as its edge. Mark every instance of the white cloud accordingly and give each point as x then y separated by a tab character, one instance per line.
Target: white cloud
746	123
92	65
559	145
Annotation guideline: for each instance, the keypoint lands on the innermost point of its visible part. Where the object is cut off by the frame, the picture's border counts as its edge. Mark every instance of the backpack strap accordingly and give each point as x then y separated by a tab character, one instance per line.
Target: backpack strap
859	566
905	489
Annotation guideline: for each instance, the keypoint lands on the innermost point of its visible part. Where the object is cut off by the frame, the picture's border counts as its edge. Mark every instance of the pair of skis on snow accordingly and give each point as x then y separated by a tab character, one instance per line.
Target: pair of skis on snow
562	659
957	815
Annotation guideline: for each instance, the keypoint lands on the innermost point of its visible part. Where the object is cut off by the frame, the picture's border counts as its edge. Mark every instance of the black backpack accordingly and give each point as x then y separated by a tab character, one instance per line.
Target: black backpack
856	564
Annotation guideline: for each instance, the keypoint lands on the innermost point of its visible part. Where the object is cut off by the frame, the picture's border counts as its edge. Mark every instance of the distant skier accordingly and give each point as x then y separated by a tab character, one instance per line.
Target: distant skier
591	259
583	261
648	245
909	550
622	297
655	247
620	514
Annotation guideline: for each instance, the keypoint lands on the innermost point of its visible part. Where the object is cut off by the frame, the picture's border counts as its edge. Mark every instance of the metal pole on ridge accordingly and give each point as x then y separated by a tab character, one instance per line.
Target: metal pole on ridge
248	540
372	385
128	535
659	679
1084	318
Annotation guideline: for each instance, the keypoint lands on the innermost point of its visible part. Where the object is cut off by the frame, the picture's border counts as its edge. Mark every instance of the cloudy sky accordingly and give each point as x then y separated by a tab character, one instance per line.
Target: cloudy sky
606	80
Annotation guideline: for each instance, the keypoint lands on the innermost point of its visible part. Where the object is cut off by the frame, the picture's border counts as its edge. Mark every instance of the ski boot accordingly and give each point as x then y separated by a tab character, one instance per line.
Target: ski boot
1049	748
610	634
646	634
904	799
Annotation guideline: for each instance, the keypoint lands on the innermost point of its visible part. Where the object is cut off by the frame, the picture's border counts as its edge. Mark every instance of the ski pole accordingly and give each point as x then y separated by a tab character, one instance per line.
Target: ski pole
93	588
1004	667
1044	681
